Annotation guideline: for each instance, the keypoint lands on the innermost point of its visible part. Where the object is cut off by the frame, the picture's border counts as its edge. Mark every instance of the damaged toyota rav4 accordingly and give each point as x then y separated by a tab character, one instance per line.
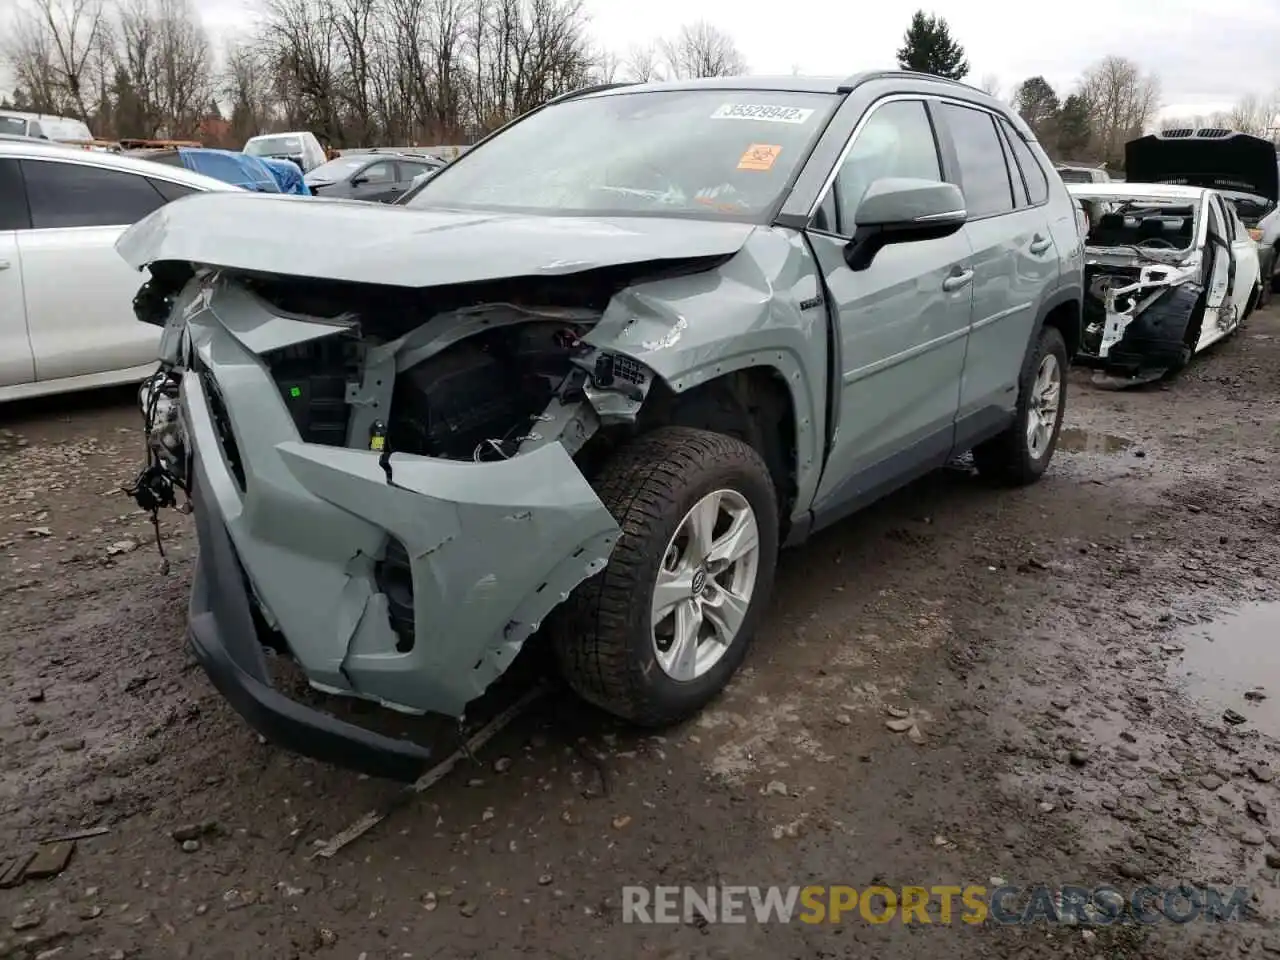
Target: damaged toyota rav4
586	381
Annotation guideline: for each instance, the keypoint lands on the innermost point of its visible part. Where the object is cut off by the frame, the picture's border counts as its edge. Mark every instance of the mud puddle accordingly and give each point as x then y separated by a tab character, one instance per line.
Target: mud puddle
1234	664
1075	440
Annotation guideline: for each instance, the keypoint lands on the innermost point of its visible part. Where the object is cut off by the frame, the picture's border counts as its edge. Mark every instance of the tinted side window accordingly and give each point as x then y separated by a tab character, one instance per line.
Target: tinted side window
171	191
1229	222
984	176
381	172
1032	173
896	141
1216	221
13	198
411	168
72	195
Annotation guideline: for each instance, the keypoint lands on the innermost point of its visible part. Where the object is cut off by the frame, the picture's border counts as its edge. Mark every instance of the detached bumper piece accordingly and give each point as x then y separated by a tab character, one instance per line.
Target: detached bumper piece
224	636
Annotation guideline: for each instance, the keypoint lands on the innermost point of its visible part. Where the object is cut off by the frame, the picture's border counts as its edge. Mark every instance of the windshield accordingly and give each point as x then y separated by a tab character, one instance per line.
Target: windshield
338	169
272	146
726	153
14	125
65	130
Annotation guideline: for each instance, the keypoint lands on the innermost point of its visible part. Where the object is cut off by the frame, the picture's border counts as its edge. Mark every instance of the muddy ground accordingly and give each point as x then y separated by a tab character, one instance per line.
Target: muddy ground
1068	651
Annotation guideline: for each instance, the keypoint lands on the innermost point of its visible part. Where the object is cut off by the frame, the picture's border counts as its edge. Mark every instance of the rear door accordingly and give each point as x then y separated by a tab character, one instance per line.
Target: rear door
17	363
1014	260
78	291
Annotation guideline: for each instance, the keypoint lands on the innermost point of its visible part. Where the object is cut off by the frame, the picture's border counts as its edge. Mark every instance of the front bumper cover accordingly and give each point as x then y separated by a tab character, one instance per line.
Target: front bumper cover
225	639
492	547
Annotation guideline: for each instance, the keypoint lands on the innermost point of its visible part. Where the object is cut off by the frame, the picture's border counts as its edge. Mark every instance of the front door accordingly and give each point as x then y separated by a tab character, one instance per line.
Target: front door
1218	299
377	182
902	322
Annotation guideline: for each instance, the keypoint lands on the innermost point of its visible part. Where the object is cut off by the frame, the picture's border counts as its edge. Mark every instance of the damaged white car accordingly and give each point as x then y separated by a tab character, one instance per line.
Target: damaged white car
1169	270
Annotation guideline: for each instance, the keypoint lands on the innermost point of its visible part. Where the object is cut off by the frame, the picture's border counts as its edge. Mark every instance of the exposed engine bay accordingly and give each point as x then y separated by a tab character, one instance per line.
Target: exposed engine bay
467	381
481	398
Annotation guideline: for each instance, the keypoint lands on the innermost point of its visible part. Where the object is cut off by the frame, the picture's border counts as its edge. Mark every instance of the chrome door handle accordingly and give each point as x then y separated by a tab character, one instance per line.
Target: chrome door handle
957	280
1040	244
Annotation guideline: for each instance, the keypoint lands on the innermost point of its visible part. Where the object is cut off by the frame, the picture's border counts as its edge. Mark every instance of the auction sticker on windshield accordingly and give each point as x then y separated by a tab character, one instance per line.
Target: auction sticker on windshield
759	156
762	111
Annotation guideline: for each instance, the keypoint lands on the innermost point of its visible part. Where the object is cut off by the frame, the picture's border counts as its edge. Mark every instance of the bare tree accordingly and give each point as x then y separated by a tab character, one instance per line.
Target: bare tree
641	63
55	51
607	66
301	40
163	77
1254	114
247	87
1124	101
702	50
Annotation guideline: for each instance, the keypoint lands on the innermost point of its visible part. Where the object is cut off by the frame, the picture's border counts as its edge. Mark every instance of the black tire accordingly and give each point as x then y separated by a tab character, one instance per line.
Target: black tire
1174	306
1005	459
602	634
1255	298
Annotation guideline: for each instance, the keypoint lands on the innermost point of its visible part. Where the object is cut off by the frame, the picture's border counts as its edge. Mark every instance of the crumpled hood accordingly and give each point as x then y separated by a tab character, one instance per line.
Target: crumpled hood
406	247
1235	162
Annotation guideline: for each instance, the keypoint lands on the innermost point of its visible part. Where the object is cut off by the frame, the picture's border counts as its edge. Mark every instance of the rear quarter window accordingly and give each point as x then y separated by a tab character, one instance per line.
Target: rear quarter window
1032	173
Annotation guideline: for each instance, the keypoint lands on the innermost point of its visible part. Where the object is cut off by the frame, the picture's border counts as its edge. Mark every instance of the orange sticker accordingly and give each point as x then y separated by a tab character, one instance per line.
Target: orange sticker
759	156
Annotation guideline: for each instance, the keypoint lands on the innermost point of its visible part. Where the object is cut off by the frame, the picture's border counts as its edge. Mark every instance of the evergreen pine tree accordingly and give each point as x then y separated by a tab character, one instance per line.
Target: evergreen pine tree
927	47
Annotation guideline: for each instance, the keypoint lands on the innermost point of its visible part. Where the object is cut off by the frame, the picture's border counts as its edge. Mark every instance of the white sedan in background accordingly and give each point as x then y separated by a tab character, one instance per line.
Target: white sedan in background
66	297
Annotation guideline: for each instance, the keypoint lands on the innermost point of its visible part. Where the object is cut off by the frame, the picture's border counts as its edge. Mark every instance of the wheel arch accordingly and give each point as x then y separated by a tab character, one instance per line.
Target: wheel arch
1064	310
754	403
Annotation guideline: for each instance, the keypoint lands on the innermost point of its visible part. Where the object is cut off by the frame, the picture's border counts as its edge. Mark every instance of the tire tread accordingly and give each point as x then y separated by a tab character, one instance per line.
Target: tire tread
641	486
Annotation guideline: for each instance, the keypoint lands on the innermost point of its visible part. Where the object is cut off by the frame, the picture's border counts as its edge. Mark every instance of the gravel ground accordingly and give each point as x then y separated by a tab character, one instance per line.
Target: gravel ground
1071	658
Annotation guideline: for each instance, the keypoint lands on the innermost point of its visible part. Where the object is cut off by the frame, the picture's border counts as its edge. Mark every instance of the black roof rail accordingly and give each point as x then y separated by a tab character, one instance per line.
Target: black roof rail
594	88
854	80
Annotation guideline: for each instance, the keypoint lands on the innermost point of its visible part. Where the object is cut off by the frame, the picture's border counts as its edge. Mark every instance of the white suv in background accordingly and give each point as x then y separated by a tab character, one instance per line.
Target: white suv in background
66	297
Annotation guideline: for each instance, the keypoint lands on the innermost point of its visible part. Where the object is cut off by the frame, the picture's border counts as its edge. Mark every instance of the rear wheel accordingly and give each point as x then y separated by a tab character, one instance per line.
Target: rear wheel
1021	454
658	633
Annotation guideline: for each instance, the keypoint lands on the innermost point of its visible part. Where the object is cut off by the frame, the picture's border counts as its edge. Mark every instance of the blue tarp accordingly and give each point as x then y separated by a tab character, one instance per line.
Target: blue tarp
288	176
231	167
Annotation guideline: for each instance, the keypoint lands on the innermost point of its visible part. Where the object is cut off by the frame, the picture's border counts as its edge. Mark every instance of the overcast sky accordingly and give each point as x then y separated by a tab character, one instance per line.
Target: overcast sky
1208	53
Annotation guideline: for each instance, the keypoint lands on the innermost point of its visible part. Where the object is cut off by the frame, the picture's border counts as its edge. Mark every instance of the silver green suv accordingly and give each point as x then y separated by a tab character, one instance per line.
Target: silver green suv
587	380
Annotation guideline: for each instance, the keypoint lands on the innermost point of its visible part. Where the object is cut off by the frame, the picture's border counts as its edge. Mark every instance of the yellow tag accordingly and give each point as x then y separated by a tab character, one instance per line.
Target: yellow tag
376	443
759	156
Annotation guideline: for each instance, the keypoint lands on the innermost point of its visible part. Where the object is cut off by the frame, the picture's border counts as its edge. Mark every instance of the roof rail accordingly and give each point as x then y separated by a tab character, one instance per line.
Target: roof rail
594	88
853	80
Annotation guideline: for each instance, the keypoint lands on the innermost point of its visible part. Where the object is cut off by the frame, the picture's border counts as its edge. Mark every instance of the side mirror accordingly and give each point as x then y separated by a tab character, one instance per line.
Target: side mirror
903	210
359	181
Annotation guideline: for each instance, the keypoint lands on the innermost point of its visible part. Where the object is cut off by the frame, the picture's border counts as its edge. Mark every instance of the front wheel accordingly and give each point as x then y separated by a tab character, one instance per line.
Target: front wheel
1021	454
657	634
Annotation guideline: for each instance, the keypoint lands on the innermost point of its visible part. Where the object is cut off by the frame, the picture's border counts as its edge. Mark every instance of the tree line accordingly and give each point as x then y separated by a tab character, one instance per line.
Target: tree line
356	72
1114	100
369	72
